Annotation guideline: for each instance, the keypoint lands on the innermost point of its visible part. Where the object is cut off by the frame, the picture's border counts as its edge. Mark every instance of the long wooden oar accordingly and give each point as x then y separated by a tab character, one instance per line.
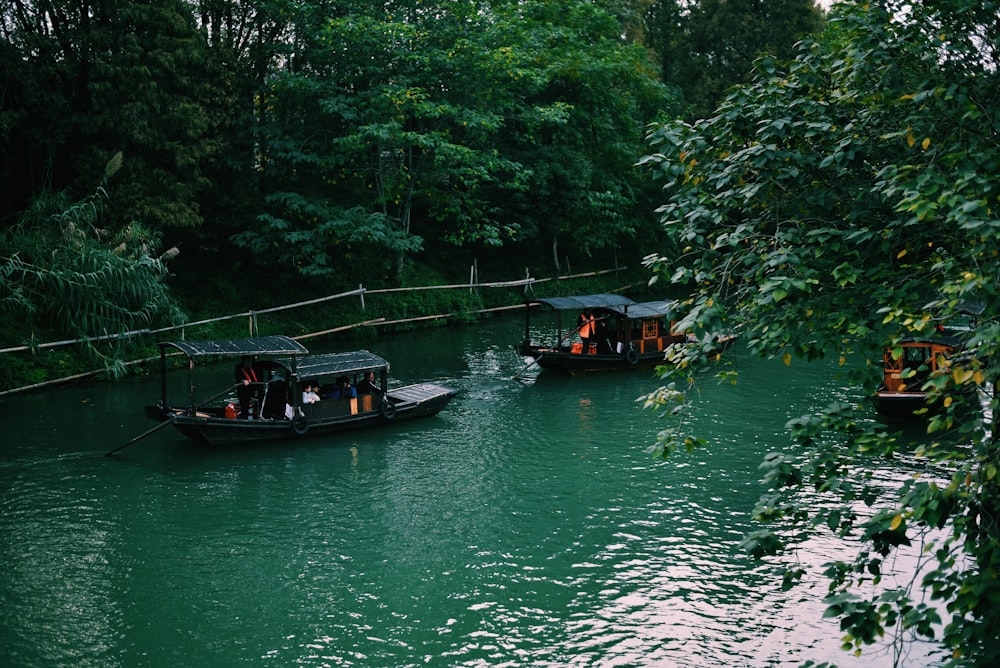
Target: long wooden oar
517	376
140	436
169	420
230	388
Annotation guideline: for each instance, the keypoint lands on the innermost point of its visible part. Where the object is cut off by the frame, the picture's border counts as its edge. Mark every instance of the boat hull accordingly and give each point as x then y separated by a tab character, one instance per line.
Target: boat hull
406	403
901	404
576	363
566	360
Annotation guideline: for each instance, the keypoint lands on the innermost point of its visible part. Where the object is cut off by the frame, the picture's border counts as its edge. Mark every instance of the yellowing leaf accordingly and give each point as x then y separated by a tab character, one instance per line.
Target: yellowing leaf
947	402
925	143
978	377
896	521
842	361
900	253
961	376
910	140
787	358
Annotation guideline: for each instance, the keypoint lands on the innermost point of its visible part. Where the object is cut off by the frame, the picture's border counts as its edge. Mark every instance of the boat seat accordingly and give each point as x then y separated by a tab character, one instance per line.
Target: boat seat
328	408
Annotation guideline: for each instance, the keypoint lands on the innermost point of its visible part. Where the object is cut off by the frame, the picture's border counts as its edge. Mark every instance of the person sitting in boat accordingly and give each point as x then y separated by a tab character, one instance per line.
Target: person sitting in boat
347	390
367	384
310	394
248	385
602	336
341	389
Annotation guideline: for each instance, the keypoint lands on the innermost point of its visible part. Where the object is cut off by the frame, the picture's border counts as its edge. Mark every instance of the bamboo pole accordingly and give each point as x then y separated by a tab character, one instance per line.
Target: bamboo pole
527	282
338	329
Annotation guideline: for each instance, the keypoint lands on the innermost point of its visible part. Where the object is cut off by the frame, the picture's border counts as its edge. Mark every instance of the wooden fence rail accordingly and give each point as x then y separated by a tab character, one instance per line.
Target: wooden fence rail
527	283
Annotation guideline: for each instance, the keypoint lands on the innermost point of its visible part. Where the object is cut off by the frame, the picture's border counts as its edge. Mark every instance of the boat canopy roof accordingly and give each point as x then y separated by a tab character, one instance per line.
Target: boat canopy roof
583	301
329	364
933	339
261	345
974	309
656	309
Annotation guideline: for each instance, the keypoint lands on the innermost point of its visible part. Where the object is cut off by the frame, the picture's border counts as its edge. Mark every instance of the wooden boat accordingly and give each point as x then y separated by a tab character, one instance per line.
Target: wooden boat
901	391
628	334
903	378
276	409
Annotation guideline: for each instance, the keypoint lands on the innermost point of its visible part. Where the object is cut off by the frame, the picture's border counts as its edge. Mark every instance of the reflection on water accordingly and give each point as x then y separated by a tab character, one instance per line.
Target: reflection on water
526	524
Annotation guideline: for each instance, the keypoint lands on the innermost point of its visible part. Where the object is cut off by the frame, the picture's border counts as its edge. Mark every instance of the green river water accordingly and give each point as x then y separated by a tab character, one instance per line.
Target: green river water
526	525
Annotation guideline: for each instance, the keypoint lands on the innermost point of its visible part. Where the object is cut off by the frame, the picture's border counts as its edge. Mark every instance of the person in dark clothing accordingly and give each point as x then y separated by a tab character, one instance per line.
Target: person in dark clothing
248	385
275	400
367	384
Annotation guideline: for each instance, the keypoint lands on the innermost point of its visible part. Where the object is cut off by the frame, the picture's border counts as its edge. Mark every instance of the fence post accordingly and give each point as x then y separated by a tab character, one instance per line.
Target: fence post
361	289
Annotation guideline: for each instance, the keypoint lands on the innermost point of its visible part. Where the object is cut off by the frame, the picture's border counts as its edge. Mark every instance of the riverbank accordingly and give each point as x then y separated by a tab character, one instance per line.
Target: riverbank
43	359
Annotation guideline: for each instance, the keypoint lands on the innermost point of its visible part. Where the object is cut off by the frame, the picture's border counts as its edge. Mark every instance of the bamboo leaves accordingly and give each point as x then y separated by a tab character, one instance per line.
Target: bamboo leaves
82	281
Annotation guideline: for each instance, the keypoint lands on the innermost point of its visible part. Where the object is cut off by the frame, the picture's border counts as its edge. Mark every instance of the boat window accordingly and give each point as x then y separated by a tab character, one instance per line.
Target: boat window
649	329
916	355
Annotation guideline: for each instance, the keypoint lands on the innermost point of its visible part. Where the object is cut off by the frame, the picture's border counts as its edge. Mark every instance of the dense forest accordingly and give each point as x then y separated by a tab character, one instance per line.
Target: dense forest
156	154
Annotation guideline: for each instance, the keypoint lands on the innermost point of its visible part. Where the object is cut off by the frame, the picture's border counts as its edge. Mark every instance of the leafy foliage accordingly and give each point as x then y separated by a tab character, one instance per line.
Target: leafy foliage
118	76
60	271
838	203
458	123
708	46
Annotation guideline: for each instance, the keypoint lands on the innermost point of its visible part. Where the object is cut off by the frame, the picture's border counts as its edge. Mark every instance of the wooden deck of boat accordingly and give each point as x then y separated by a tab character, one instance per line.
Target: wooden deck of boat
419	393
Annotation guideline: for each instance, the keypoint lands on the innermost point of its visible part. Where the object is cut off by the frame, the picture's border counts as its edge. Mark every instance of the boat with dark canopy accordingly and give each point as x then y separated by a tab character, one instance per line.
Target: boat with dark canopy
274	408
626	334
903	378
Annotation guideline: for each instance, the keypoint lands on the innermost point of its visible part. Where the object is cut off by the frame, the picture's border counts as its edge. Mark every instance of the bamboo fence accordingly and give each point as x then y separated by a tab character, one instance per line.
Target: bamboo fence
252	315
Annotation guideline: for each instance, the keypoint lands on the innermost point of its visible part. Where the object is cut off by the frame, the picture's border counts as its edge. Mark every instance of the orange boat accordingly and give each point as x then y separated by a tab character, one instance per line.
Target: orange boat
905	377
